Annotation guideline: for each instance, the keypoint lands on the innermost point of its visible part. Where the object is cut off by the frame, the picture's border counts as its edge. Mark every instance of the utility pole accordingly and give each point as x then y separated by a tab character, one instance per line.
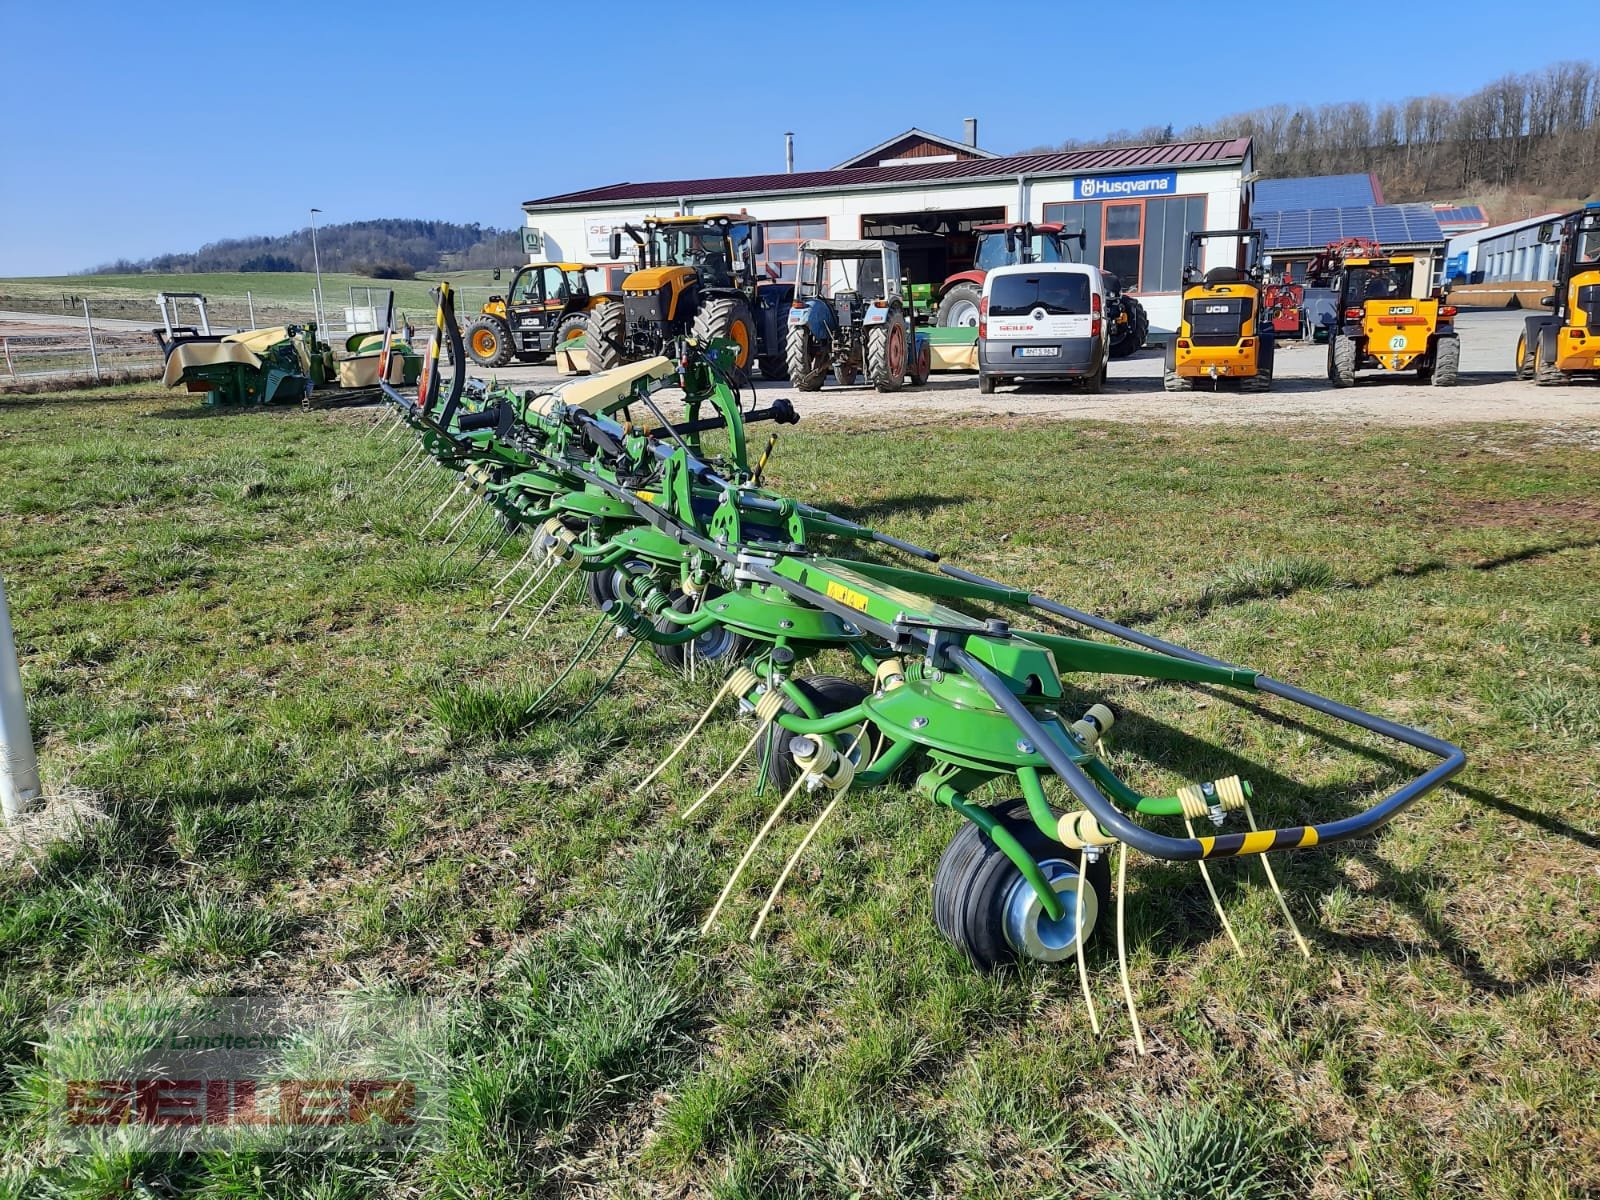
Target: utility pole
316	262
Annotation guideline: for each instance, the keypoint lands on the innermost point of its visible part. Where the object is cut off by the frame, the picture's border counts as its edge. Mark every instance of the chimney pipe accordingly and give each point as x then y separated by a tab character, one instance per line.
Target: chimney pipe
972	132
788	152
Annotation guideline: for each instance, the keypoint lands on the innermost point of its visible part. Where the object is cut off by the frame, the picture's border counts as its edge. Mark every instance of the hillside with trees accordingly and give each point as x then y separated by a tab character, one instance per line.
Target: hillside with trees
383	249
1536	134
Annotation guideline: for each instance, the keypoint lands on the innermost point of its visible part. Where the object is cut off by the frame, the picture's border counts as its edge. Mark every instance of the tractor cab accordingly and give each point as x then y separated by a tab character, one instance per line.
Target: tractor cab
544	305
1385	320
1224	332
1556	346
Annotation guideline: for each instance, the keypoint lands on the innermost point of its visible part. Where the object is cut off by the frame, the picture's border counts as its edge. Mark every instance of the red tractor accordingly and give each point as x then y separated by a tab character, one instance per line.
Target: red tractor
1028	242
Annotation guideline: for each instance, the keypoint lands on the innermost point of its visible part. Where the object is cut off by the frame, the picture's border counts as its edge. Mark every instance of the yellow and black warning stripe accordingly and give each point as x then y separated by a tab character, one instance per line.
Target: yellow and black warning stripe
1227	845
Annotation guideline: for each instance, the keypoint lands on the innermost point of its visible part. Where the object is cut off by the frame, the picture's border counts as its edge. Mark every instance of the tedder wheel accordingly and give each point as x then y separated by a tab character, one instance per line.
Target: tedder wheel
1524	359
922	364
959	308
489	341
828	694
718	646
807	358
1129	338
982	903
605	330
886	354
601	586
773	367
727	317
1446	362
1342	361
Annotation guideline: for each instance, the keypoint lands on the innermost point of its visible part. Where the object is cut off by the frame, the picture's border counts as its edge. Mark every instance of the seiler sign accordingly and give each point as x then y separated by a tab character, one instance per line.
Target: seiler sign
1126	187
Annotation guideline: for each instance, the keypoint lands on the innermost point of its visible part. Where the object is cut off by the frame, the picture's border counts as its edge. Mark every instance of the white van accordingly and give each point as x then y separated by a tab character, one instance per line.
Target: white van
1043	321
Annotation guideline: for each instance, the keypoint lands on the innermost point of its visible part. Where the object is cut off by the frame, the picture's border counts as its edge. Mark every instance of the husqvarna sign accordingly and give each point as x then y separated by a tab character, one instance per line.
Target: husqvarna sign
1126	187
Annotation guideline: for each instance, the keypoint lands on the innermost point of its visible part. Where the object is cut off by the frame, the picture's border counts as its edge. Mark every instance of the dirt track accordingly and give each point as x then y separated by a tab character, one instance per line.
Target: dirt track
1487	392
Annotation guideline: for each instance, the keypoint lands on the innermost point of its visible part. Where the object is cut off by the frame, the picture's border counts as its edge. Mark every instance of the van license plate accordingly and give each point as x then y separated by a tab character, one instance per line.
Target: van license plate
1035	351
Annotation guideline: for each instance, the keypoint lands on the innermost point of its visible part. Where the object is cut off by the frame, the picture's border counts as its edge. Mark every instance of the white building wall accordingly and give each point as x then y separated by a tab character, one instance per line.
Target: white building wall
567	232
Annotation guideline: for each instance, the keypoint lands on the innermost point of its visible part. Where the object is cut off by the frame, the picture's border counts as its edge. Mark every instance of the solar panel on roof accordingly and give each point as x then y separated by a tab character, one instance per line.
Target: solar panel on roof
1315	191
1399	224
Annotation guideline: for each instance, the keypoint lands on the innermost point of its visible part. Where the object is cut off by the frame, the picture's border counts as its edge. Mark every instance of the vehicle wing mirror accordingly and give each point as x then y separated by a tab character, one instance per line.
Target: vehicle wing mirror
758	239
616	243
1548	302
1011	243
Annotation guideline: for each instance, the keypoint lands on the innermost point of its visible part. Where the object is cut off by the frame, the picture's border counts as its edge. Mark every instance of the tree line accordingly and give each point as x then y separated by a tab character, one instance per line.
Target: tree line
391	248
1535	132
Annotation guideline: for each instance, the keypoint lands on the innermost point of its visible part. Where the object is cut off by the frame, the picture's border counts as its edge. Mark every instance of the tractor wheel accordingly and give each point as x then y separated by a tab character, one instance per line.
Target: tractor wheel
959	308
922	364
605	331
828	694
1342	361
489	342
886	354
573	326
807	359
1524	359
1545	371
718	647
1129	338
989	911
1170	379
1446	362
773	367
726	317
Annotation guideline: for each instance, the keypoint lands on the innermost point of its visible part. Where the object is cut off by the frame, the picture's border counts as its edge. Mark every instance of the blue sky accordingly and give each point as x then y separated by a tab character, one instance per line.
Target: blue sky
135	128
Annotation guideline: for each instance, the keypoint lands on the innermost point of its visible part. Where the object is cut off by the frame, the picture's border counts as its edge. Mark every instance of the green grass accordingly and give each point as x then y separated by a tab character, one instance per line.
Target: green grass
278	295
318	766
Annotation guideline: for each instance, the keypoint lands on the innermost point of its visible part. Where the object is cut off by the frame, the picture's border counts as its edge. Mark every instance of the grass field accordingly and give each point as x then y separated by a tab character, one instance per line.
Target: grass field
317	773
279	296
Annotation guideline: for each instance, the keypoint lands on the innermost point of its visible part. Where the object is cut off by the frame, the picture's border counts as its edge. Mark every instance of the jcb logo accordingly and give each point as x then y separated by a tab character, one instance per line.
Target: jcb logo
1403	310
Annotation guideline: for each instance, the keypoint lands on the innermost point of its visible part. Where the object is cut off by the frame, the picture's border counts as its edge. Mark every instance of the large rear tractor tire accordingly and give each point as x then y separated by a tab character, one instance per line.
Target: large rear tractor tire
726	317
828	694
807	359
1446	362
886	354
989	911
1342	361
959	308
1128	339
489	341
606	333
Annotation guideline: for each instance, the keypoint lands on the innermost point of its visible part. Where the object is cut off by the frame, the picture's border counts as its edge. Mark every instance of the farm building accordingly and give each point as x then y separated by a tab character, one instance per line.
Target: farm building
1509	253
1136	203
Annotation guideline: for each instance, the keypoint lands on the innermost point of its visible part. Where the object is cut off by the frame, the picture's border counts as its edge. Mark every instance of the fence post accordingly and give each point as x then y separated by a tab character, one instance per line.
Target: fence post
5	344
251	301
94	355
19	769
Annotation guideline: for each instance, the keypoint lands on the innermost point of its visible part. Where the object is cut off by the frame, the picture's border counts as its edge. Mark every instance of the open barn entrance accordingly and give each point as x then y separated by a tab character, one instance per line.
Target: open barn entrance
933	245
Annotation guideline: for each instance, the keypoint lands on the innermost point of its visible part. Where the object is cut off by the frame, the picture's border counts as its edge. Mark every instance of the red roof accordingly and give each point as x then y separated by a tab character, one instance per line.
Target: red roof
1073	162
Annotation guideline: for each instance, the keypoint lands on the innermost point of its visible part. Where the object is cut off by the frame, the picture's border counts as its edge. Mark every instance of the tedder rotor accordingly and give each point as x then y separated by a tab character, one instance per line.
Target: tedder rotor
953	691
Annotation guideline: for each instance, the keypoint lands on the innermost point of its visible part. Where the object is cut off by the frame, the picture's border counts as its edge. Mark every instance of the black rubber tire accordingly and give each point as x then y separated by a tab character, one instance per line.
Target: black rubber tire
718	648
504	347
974	878
1524	358
572	325
773	368
961	294
1342	361
1545	372
607	326
1170	379
1129	338
717	318
829	694
887	346
1261	381
846	375
808	362
985	384
1446	362
601	586
921	363
1094	384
